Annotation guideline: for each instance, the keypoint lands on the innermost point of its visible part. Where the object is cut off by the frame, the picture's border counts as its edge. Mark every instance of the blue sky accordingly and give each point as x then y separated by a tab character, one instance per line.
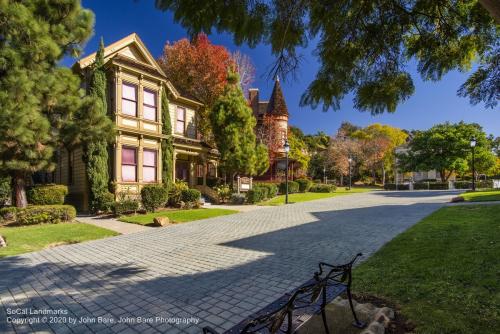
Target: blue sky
433	102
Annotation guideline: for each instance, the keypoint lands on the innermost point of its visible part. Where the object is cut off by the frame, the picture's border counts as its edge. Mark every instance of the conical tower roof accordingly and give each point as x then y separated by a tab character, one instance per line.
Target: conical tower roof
277	104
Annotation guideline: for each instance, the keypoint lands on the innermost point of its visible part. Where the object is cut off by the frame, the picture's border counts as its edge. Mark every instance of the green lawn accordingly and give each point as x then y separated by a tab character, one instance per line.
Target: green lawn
482	196
25	239
177	216
304	197
443	272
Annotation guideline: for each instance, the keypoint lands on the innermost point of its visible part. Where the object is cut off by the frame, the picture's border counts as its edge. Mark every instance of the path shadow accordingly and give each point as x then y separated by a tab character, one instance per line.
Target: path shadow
271	264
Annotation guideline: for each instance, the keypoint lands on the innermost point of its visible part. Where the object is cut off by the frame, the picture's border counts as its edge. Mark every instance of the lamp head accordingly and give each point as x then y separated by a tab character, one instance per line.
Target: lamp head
473	142
287	146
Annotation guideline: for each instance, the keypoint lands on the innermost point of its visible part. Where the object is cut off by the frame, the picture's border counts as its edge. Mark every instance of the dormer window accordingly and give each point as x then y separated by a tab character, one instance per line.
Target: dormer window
149	105
129	99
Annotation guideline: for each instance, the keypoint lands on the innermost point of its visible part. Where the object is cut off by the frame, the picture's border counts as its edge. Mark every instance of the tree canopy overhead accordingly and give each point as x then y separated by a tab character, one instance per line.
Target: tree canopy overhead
364	46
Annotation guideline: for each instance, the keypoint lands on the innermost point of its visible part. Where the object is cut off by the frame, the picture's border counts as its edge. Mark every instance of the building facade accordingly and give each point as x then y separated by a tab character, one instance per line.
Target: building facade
272	129
135	85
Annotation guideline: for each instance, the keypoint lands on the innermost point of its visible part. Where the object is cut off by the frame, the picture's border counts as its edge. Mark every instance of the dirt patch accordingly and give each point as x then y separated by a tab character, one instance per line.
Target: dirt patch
400	324
60	243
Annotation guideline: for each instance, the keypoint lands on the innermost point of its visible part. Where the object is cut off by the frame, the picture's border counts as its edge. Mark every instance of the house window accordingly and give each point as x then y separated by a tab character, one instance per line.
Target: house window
211	170
149	105
200	169
181	120
149	166
129	164
129	99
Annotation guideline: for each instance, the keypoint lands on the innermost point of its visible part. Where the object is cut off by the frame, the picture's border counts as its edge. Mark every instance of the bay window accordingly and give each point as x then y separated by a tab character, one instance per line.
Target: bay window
149	166
129	164
149	105
129	99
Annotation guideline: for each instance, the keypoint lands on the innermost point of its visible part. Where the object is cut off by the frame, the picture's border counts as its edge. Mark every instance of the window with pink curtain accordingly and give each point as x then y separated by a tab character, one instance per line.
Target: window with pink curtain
129	164
149	105
129	99
181	120
149	166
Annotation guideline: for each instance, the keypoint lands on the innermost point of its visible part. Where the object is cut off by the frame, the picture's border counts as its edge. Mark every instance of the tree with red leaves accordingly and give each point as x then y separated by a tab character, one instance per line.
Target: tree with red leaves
199	69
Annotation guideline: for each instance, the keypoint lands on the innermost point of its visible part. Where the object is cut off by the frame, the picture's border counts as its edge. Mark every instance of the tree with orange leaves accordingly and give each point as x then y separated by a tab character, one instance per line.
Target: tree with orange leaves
199	69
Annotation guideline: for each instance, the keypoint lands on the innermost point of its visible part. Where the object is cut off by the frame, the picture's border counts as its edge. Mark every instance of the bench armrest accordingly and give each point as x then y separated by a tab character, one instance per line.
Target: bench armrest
336	270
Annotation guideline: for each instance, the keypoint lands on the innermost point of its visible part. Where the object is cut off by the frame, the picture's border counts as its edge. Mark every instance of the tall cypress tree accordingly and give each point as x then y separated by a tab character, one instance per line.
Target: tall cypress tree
167	147
233	125
96	148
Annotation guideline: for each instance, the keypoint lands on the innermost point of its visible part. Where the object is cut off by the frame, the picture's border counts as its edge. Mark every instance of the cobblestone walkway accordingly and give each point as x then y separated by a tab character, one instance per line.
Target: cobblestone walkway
113	224
209	272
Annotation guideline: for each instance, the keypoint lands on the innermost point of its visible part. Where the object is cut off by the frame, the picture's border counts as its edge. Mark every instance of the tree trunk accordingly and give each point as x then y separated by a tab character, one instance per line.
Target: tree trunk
493	7
383	175
19	189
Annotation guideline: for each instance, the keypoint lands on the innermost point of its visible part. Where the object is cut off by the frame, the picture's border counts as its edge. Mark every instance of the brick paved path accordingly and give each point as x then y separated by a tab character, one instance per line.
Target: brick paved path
214	271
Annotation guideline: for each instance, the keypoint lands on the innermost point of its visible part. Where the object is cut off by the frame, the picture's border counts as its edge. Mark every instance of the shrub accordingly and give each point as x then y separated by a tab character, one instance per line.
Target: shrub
293	187
190	195
175	195
463	185
5	190
47	194
238	198
438	185
256	194
323	188
272	188
392	186
38	214
304	185
224	193
127	205
153	196
484	184
421	186
106	202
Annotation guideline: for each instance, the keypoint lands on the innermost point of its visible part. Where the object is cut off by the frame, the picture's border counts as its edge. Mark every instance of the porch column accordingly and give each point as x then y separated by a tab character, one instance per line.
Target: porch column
192	175
205	171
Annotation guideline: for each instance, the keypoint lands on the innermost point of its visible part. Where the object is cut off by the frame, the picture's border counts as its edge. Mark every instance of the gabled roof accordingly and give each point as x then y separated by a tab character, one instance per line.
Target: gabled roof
131	46
132	51
277	104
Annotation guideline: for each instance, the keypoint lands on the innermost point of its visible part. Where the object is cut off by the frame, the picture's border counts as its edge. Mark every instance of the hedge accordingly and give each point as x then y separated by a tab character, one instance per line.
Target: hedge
47	194
293	187
272	188
37	214
392	186
323	188
438	185
154	196
256	194
238	198
463	184
304	185
190	195
421	186
125	206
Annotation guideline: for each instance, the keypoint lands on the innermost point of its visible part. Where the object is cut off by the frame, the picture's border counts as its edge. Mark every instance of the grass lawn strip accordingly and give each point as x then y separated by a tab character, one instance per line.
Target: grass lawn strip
482	196
309	196
443	271
23	239
177	216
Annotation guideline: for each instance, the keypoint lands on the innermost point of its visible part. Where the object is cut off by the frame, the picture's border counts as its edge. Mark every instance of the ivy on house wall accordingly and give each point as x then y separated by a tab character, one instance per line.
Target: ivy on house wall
96	155
167	147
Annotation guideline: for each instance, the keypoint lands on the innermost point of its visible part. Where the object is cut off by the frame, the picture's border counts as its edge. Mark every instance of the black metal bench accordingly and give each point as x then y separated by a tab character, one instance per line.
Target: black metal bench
291	311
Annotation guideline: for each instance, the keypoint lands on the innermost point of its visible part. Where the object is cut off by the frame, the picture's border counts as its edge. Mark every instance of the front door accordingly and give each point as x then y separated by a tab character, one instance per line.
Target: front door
182	170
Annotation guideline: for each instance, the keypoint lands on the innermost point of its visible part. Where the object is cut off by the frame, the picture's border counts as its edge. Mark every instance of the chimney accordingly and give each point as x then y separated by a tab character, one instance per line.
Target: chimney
253	100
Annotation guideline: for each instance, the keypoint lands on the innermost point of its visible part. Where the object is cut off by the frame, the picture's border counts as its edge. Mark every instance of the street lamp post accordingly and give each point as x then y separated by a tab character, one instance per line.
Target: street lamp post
287	149
350	161
473	146
324	174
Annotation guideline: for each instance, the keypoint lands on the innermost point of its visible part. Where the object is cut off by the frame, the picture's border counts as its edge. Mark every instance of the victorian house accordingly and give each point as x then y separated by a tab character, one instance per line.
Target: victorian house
135	85
272	129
